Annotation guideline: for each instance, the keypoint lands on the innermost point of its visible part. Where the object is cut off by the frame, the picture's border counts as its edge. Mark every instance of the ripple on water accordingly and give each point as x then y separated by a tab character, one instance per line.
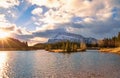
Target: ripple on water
43	64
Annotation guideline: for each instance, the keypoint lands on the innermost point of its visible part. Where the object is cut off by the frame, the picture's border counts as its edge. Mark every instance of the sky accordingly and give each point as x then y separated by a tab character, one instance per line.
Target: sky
35	21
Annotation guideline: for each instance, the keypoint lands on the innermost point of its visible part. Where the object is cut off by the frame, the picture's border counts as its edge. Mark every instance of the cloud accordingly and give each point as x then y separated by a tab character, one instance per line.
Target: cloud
2	18
7	29
4	23
90	18
22	31
37	11
45	27
8	3
96	16
48	33
71	8
11	28
36	40
48	3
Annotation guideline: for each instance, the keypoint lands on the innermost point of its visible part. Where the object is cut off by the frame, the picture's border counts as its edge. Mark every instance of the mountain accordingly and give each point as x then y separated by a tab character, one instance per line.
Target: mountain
12	43
64	36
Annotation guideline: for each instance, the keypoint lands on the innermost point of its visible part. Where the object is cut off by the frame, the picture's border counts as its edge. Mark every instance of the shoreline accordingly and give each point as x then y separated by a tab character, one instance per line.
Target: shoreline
110	50
64	51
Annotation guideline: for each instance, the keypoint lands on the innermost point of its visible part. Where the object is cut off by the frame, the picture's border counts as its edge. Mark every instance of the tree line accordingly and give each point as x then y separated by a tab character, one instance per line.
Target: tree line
12	43
110	42
74	46
66	46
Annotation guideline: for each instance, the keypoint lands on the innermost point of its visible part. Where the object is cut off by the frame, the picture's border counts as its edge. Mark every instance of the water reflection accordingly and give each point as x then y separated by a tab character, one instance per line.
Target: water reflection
3	65
43	64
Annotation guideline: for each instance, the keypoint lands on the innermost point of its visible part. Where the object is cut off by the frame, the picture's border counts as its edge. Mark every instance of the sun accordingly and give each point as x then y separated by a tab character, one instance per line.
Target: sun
3	34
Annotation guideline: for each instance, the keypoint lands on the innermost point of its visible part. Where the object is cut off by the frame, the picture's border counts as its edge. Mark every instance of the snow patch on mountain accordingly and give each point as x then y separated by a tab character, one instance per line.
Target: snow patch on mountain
71	37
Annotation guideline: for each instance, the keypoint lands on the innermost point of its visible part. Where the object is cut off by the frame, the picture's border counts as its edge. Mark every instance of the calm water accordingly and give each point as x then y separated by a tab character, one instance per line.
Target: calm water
43	64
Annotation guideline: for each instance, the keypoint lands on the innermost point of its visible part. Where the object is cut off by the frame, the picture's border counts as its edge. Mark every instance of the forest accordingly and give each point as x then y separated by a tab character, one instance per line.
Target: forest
12	44
110	42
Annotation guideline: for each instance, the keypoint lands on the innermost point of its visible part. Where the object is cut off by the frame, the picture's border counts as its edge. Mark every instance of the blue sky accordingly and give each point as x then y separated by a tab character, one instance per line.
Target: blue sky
38	20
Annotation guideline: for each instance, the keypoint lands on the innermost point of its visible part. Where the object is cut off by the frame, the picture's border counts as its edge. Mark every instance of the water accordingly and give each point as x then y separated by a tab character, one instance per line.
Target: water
43	64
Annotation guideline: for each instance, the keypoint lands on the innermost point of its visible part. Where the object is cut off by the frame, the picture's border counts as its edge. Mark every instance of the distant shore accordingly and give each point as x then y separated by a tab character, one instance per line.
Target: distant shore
111	50
64	51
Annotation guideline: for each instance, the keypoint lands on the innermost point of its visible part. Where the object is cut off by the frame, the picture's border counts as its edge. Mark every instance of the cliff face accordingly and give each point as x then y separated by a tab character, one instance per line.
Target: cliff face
12	43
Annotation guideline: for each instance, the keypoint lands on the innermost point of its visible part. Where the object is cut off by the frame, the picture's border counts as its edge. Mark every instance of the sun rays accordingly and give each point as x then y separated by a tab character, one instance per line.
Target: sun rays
4	34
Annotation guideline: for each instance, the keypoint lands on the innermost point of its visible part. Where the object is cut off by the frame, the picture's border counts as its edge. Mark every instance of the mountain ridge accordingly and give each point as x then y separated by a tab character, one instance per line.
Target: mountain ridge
64	36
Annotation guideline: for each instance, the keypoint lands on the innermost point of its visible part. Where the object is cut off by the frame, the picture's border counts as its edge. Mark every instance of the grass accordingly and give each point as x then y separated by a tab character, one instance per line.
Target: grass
112	50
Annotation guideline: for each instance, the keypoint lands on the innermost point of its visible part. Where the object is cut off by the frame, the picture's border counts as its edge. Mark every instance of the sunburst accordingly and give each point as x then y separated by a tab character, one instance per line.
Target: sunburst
3	34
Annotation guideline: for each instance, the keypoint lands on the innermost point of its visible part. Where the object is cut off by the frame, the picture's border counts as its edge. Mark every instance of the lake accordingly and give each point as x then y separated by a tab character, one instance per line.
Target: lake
43	64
